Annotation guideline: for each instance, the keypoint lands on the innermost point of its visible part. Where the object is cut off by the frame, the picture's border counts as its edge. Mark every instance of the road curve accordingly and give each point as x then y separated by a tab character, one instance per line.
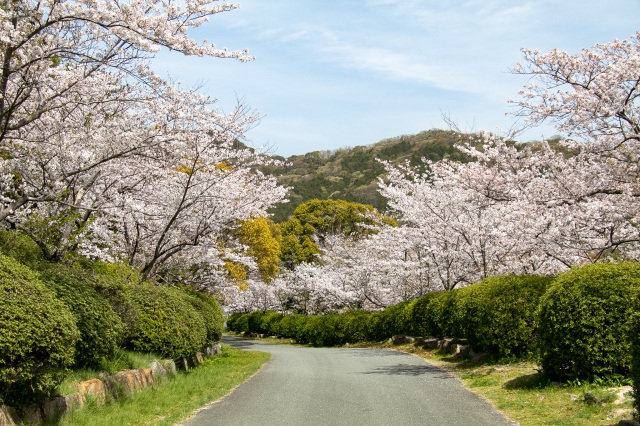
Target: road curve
346	386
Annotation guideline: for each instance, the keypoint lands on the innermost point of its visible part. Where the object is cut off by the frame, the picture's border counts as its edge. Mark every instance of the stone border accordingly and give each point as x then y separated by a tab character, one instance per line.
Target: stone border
101	389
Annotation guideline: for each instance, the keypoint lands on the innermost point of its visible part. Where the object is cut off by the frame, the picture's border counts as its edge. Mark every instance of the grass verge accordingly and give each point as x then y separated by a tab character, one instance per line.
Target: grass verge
177	399
520	391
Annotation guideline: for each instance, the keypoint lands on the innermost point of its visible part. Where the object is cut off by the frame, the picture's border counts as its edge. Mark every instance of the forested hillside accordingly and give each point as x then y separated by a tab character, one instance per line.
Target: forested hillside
352	173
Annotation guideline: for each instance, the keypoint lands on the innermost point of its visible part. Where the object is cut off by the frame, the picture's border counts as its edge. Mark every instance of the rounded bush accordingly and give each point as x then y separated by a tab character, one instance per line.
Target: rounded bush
421	316
271	322
291	326
21	247
254	321
322	330
584	321
165	323
101	330
396	319
499	314
436	314
211	313
38	335
242	323
355	326
232	321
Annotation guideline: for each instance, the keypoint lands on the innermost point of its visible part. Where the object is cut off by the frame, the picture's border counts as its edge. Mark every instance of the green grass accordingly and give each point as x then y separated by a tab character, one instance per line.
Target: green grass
123	360
178	398
519	390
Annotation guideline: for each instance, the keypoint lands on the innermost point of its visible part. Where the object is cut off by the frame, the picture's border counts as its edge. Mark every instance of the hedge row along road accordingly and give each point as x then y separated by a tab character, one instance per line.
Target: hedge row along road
337	386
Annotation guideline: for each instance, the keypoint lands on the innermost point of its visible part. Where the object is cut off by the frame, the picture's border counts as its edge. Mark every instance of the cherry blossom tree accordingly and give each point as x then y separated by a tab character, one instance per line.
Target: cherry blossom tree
101	155
535	208
48	49
75	72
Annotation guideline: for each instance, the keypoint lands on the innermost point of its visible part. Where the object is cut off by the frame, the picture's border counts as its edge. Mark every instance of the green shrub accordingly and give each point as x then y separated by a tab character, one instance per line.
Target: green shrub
21	247
584	321
291	326
37	335
210	311
421	316
254	321
112	284
375	329
271	322
322	330
499	314
395	320
242	323
232	321
436	314
101	330
355	326
165	322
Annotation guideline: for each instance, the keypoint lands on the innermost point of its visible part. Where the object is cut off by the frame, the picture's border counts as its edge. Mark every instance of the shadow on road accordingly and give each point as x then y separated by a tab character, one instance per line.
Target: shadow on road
238	342
411	370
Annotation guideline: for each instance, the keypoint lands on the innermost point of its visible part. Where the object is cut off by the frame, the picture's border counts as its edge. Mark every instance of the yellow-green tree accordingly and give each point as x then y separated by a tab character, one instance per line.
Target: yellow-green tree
262	237
313	220
297	244
332	217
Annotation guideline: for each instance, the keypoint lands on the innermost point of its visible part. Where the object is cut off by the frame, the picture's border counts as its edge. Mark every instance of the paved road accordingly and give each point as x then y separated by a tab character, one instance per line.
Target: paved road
346	386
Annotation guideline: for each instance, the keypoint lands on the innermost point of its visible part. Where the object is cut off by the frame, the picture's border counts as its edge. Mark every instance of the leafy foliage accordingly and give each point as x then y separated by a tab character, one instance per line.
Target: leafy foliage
263	239
210	311
38	335
585	321
352	174
101	330
500	314
165	322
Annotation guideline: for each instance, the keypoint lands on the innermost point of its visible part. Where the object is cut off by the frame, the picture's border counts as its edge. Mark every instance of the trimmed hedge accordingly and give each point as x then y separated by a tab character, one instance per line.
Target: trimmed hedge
292	325
165	322
394	320
435	314
585	321
101	330
210	311
38	335
356	326
499	314
271	323
232	321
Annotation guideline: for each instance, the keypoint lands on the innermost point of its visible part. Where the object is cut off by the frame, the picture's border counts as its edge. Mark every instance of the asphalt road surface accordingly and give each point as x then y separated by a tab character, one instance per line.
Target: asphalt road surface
346	386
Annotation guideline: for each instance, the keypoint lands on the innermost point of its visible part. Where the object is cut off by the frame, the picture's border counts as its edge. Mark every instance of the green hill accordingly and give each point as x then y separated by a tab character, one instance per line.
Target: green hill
352	173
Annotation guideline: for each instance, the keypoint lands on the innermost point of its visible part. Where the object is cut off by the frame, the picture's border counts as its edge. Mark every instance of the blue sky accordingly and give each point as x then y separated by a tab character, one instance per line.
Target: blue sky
332	74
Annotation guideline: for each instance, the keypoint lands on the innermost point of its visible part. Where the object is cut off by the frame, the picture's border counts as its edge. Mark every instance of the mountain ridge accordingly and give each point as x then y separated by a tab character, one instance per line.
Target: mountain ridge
352	173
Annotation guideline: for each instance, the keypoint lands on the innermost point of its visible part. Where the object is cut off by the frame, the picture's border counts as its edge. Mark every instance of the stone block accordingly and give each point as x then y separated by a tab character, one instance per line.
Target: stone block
402	340
147	375
159	372
183	364
110	383
8	416
94	389
55	407
198	359
129	380
431	343
32	414
216	348
460	350
170	366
